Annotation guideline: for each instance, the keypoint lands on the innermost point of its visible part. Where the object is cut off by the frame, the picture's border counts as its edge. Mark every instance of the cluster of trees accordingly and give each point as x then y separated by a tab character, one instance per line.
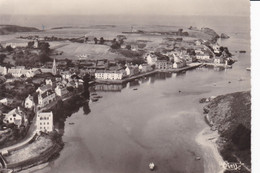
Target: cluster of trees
29	58
116	43
2	58
96	41
20	91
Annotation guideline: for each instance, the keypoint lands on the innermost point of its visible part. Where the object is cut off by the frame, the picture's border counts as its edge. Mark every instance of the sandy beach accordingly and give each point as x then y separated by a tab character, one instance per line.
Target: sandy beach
207	139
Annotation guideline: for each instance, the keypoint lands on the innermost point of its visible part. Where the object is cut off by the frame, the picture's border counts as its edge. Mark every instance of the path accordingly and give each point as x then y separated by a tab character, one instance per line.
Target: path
29	136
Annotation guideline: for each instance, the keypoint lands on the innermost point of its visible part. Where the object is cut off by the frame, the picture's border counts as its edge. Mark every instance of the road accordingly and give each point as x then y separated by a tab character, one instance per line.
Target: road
29	136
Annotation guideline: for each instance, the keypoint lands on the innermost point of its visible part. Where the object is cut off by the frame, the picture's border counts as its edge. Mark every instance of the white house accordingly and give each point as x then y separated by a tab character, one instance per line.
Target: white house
15	116
178	62
61	90
44	121
6	101
48	82
202	56
3	70
110	75
198	42
46	98
151	59
36	43
29	103
216	48
19	71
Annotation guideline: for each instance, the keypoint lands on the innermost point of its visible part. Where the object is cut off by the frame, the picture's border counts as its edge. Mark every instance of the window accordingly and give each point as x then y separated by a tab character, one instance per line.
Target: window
40	123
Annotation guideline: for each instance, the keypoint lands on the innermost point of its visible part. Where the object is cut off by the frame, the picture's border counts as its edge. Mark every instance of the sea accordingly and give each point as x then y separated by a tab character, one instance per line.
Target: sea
154	119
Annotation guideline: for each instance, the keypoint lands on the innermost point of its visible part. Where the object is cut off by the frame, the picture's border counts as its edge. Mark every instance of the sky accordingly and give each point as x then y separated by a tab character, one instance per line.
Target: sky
125	7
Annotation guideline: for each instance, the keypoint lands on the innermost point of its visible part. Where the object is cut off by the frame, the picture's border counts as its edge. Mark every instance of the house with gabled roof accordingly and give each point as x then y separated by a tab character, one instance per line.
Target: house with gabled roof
43	88
46	98
6	101
15	116
28	102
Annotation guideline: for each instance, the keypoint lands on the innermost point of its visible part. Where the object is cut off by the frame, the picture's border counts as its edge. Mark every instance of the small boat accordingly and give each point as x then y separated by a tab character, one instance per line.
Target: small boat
242	51
248	69
197	158
94	99
135	89
71	123
151	166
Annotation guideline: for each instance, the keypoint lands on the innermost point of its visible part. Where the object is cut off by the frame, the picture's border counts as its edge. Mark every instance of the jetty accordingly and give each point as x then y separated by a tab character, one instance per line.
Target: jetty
131	78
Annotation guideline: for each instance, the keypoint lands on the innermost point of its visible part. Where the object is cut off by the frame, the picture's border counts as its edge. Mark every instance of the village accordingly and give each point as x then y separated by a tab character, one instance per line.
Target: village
27	90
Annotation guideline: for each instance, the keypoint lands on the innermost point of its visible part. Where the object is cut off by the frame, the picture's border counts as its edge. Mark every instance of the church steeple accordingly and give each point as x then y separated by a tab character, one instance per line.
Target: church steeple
54	68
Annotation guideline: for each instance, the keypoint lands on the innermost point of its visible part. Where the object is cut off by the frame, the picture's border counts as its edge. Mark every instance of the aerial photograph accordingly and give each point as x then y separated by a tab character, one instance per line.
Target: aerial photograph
110	86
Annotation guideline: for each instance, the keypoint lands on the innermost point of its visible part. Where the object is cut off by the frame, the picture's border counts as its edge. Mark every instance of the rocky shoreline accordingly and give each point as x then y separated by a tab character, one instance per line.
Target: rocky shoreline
15	162
230	116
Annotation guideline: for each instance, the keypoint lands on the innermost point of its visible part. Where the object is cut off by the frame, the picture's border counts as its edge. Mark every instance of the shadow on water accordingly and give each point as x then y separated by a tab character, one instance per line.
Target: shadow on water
64	109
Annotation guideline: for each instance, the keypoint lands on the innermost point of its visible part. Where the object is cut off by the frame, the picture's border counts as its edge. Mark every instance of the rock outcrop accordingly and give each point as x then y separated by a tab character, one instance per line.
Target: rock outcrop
231	115
211	32
225	36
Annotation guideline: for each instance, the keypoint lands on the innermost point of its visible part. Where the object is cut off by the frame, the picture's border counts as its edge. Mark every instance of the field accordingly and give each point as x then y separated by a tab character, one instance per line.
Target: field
79	50
70	50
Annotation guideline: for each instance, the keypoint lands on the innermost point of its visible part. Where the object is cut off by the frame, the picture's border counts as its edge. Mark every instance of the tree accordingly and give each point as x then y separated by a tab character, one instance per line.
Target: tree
137	61
44	57
9	48
121	41
8	76
2	58
115	45
44	47
114	40
180	32
86	39
70	88
101	41
95	40
128	47
30	44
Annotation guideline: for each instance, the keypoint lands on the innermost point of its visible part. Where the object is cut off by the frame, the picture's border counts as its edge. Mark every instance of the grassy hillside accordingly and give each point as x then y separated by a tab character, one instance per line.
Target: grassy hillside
10	29
231	115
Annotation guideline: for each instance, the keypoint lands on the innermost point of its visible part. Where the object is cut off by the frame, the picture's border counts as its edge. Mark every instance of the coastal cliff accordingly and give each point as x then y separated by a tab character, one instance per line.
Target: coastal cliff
10	29
230	115
210	32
